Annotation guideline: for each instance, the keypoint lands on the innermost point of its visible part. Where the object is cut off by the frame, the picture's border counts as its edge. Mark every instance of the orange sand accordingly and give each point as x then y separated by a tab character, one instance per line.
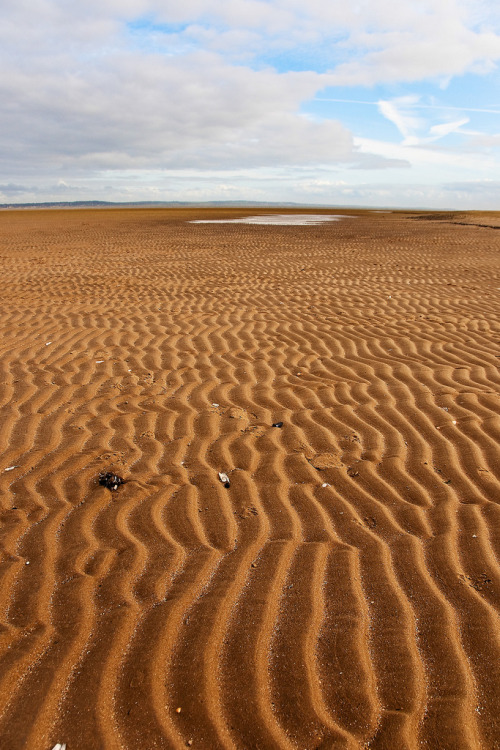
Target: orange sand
344	592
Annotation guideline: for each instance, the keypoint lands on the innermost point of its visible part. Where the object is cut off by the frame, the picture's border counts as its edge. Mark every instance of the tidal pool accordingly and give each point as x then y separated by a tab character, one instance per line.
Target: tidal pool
277	219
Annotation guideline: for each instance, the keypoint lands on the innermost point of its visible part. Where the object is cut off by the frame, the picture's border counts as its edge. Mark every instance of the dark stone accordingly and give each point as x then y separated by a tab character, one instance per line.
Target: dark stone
110	480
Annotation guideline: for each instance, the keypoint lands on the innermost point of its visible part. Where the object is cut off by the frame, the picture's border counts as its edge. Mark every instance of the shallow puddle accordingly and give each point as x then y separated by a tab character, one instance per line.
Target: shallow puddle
277	219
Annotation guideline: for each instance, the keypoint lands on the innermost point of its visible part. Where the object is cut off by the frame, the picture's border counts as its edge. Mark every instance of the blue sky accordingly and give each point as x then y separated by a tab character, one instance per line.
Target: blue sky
335	103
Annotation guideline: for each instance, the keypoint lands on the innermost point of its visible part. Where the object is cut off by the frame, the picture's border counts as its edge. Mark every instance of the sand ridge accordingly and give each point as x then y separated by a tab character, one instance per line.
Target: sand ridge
344	591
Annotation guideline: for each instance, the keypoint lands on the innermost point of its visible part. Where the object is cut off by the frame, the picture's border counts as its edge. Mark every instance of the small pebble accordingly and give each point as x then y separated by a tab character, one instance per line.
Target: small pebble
178	710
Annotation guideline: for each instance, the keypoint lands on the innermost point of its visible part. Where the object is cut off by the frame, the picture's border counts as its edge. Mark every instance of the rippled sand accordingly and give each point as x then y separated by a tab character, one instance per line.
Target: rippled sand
344	591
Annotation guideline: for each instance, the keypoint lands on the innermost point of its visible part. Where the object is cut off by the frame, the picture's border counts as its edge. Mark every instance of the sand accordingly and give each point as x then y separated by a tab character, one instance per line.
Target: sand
344	591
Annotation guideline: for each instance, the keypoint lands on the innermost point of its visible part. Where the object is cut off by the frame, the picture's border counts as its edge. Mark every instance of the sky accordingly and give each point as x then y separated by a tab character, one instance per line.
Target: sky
321	102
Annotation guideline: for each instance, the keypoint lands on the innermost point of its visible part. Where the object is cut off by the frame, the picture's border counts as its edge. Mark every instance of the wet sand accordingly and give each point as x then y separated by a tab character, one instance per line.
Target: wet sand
344	591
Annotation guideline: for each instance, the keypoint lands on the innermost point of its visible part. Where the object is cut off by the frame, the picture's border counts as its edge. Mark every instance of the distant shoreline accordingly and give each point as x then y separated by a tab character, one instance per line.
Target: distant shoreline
216	204
160	204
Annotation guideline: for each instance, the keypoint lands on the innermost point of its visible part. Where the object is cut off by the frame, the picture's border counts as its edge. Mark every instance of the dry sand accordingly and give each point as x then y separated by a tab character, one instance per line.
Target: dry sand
344	592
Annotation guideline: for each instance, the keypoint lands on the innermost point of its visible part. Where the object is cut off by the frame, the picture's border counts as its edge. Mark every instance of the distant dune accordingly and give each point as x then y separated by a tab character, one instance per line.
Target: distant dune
344	590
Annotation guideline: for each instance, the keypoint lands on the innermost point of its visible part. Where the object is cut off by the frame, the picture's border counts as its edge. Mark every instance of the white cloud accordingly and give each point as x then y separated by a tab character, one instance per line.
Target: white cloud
405	56
150	111
382	41
396	111
416	129
484	140
445	128
122	87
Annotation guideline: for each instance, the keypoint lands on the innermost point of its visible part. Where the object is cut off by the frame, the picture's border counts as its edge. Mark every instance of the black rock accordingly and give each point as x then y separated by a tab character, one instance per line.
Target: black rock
110	480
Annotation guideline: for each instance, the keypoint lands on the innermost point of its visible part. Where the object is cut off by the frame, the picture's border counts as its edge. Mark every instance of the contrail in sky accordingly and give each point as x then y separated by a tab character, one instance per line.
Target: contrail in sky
420	106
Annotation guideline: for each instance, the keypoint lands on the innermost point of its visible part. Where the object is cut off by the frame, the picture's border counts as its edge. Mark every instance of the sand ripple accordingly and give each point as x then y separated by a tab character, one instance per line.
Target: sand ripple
344	591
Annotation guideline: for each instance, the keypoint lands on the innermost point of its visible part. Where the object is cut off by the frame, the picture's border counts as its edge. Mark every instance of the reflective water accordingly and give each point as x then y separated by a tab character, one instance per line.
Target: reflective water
277	219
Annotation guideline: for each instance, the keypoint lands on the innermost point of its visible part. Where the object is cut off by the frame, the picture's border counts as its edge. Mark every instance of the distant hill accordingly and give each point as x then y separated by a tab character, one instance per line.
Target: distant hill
157	204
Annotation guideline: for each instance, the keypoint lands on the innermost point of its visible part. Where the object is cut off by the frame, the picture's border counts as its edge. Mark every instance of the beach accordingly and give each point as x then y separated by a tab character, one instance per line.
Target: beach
344	590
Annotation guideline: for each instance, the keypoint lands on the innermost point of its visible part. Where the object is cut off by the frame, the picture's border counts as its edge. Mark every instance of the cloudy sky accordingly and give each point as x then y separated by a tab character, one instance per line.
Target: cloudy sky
338	102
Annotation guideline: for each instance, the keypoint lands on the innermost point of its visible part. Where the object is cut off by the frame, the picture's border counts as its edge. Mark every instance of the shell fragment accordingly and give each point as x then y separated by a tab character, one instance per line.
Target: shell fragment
224	479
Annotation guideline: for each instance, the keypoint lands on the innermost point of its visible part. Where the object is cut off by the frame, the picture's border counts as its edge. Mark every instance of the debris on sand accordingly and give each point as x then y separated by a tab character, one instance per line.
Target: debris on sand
60	746
224	479
110	480
278	424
